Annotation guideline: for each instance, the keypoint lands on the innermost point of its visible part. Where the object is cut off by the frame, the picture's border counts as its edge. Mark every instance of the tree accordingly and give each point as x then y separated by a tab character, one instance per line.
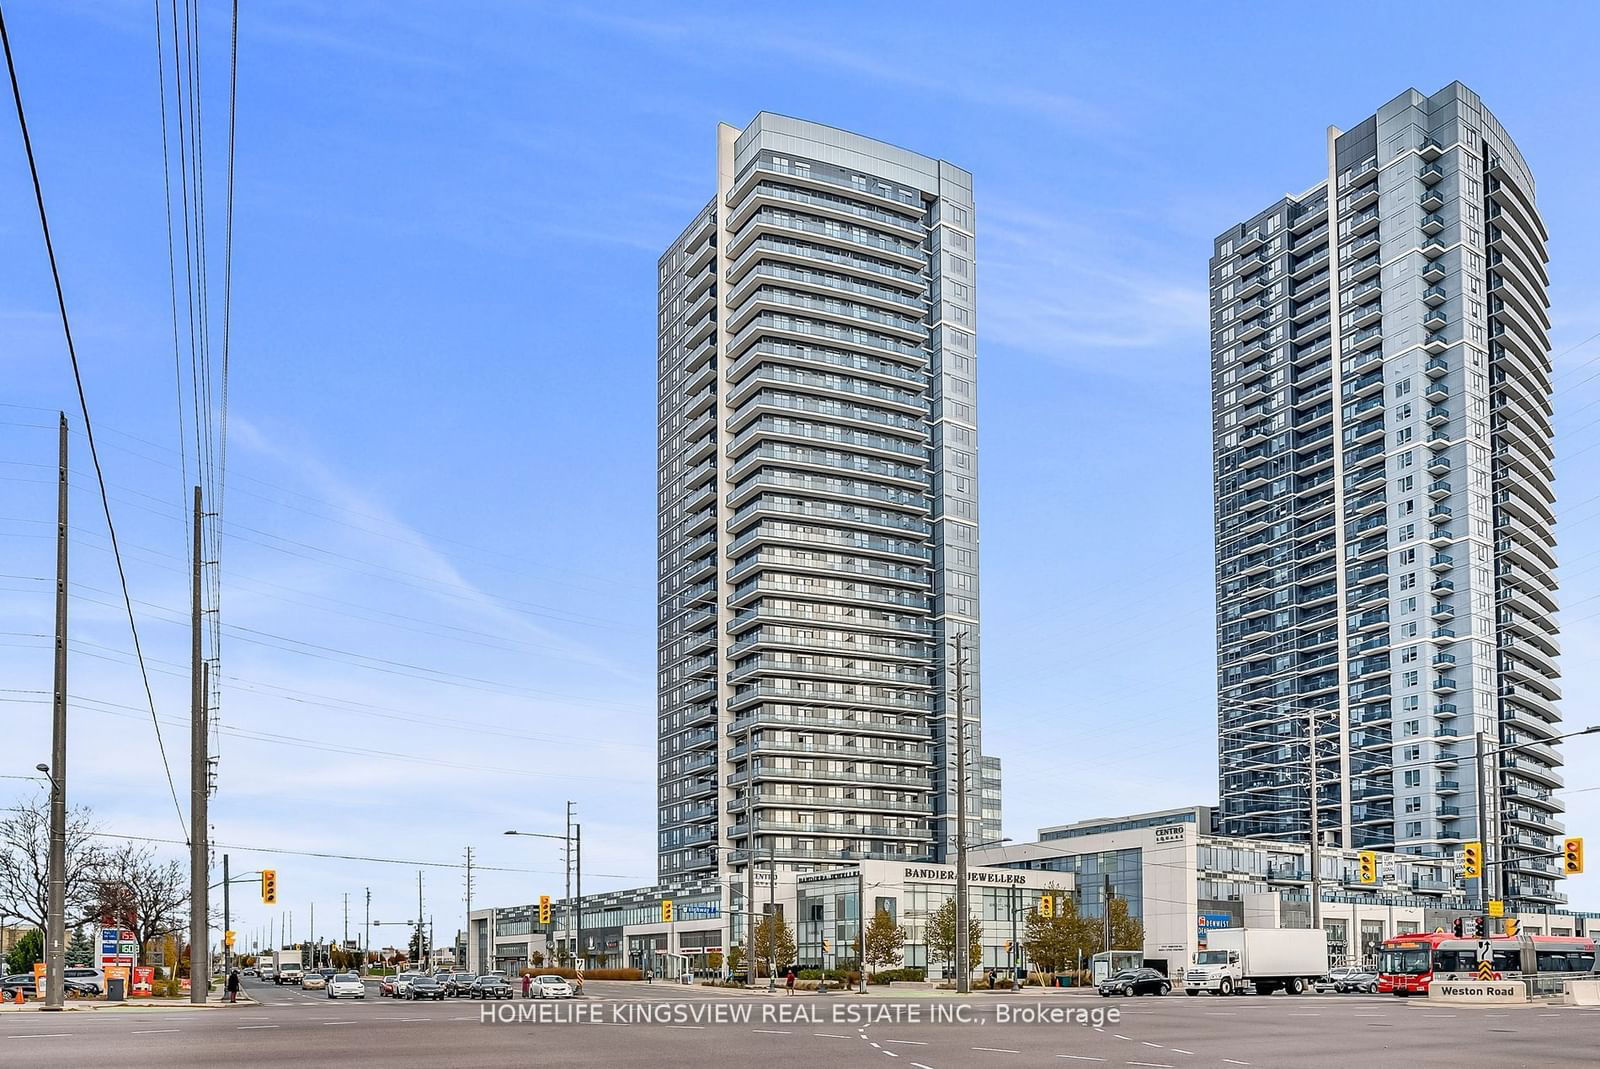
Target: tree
139	891
884	942
25	860
735	958
1127	931
536	959
714	961
942	936
1053	943
80	949
773	943
25	952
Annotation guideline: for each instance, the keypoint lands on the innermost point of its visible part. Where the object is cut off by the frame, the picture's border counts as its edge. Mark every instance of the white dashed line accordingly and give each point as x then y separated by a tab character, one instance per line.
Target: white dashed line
919	1065
780	1032
248	1027
1157	1046
1085	1057
63	1035
923	1043
158	1031
835	1035
1223	1013
701	1027
892	1054
1232	1061
1180	1050
1119	1036
325	1024
1008	1050
1162	1065
1364	1014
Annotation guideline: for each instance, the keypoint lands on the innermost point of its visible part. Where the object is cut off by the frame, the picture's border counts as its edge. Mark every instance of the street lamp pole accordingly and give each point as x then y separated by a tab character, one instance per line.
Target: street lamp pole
577	857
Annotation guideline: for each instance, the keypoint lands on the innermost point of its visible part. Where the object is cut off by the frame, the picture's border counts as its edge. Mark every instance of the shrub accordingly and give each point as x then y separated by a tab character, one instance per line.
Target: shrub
588	974
889	976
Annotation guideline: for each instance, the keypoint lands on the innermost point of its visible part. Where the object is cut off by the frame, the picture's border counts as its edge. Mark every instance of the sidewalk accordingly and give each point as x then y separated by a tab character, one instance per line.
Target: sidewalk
217	1001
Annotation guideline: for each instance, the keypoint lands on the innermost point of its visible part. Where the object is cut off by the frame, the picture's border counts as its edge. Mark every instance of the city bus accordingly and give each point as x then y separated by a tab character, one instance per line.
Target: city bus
1407	964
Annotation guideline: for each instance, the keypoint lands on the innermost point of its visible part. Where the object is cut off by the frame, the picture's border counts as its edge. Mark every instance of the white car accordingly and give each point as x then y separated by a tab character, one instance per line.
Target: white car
314	981
550	986
347	985
402	983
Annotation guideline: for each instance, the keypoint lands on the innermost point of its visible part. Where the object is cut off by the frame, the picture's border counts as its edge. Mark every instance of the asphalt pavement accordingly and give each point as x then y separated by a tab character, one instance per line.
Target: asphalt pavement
630	1024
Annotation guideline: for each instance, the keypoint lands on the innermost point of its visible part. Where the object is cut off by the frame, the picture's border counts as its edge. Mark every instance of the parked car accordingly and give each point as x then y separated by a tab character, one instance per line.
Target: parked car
1135	982
1336	976
424	987
346	985
22	981
313	981
551	986
1363	981
402	983
490	985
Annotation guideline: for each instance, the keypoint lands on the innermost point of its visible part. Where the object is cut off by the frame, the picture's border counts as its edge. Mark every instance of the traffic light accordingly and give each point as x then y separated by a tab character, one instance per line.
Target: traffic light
1458	928
1368	862
1047	906
666	911
1472	860
1009	945
827	946
1511	927
544	909
1480	927
227	939
1572	857
269	887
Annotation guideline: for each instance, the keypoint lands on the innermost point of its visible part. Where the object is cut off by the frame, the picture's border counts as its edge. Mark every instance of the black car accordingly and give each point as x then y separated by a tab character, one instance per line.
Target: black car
1135	982
425	987
22	981
490	987
460	984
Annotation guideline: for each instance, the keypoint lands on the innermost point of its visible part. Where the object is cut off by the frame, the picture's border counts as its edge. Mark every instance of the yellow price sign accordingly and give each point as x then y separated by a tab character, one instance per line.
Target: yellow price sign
1497	908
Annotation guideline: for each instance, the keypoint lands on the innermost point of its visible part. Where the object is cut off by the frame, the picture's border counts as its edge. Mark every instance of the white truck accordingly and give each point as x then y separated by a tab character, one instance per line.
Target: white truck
1263	958
286	967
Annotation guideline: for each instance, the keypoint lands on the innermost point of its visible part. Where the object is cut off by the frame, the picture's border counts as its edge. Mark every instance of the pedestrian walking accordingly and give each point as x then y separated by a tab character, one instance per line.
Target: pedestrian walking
233	986
527	984
788	981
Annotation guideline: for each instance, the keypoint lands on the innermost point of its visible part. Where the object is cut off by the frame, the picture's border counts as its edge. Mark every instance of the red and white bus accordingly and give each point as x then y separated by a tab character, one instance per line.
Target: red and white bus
1407	964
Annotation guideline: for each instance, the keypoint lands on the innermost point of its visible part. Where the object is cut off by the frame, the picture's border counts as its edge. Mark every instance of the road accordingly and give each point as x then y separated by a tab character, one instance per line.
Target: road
294	1028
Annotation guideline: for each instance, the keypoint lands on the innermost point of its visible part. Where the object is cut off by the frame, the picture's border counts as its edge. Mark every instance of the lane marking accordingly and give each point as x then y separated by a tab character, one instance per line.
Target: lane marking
1008	1050
1157	1046
1125	1037
780	1032
1180	1050
1364	1014
248	1027
158	1031
1161	1065
835	1035
1232	1061
919	1065
1224	1013
1085	1057
327	1024
923	1042
701	1027
62	1035
891	1054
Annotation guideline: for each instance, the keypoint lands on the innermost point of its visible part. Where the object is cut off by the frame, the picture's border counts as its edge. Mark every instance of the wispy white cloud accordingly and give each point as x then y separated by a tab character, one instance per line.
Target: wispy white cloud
1072	291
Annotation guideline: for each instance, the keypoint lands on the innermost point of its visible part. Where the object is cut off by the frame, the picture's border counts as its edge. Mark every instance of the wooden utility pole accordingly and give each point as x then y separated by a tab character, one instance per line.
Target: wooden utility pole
56	906
199	786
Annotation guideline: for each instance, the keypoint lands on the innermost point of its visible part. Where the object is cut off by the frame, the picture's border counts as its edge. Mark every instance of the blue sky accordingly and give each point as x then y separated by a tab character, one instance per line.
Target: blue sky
440	512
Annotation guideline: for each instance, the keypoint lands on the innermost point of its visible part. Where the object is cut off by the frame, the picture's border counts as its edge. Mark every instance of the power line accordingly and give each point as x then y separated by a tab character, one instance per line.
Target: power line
83	403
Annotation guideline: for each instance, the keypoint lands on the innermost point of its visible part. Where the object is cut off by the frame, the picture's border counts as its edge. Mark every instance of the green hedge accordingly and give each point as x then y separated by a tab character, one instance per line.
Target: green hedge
889	976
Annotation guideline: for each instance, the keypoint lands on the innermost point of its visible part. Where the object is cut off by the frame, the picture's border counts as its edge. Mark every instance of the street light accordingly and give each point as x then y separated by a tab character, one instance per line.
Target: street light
576	932
1481	767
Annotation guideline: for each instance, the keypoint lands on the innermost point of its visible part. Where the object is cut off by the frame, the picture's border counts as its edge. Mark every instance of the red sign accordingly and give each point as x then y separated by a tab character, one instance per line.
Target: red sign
144	981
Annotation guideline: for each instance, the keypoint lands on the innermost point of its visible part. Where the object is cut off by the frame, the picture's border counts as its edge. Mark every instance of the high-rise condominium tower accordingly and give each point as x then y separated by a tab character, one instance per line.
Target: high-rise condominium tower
1384	521
818	506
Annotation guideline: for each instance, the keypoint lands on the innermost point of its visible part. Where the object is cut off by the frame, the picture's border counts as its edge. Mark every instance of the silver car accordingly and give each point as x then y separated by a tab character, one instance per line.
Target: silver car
550	986
346	985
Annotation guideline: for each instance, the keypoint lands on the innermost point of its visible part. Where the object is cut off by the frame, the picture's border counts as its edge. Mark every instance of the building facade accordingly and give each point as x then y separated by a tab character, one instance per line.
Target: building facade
1384	504
818	523
1181	879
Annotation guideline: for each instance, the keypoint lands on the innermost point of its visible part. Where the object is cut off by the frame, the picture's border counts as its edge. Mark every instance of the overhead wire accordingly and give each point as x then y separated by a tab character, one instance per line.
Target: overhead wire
83	404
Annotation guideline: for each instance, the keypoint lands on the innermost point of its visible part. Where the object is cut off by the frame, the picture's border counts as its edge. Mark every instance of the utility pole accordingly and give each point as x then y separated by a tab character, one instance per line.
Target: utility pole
467	931
311	936
567	866
419	915
346	937
577	871
1316	821
772	918
1479	767
963	937
56	907
1107	924
861	925
227	918
199	788
366	934
750	856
